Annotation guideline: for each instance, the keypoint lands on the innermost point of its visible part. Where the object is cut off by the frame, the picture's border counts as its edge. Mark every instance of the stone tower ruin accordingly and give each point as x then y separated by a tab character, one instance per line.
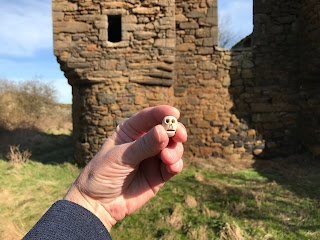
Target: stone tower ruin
122	56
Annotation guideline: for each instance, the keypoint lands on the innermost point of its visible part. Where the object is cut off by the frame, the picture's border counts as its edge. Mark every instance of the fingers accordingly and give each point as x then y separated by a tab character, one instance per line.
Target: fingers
172	163
169	171
145	120
181	134
176	167
147	146
172	153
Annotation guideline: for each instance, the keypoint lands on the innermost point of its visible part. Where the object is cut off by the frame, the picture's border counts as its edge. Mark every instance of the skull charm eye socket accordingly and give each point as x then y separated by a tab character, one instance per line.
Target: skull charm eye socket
170	124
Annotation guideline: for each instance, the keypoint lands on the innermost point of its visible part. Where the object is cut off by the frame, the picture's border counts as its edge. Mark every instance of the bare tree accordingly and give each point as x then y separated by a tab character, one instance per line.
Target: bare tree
227	36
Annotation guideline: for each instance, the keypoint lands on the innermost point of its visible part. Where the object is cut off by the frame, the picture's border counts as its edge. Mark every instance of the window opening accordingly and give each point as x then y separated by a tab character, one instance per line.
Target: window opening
114	28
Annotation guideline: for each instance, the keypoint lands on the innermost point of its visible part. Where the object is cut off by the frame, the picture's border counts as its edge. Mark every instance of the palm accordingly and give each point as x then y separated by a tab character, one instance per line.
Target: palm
133	185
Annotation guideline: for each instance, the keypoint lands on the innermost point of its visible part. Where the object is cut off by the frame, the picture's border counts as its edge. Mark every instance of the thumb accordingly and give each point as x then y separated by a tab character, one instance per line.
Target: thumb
146	146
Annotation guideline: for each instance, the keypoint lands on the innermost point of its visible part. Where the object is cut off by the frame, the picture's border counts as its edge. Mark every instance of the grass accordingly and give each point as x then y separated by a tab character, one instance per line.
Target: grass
259	206
27	191
210	199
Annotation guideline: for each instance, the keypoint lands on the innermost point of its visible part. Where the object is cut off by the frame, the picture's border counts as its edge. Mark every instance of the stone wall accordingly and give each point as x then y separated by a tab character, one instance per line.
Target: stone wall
310	76
112	80
235	103
144	55
206	92
276	57
99	108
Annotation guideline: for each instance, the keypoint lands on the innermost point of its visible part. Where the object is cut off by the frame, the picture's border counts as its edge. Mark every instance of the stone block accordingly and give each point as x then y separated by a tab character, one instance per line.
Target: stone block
189	25
206	151
114	11
228	150
132	27
185	47
208	21
146	11
129	19
160	74
179	91
205	50
108	64
103	34
208	66
100	24
212	3
57	16
105	98
251	133
195	14
64	7
128	114
70	27
189	39
163	3
213	12
211	115
217	139
203	33
258	152
214	33
203	124
91	47
238	144
145	80
226	82
143	35
209	42
106	121
113	6
139	100
216	123
79	65
181	18
63	45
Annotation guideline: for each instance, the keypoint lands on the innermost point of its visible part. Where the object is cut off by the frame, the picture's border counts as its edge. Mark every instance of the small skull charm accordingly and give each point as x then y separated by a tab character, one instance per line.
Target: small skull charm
170	124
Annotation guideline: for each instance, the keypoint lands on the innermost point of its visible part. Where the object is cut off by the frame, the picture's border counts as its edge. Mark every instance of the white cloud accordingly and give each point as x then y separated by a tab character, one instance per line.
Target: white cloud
25	27
241	14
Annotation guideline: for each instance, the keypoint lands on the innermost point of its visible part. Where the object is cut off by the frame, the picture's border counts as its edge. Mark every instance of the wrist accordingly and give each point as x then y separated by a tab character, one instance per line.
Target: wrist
74	195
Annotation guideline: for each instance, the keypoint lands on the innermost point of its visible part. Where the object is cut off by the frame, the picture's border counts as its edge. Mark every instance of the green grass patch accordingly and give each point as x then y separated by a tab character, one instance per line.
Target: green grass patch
28	191
248	200
195	204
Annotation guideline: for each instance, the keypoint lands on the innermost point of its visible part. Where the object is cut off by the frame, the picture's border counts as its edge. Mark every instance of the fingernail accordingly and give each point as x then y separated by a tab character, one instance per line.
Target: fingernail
177	111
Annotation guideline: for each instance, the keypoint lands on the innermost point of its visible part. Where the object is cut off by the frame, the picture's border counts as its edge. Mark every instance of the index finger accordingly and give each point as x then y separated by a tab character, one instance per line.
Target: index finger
143	121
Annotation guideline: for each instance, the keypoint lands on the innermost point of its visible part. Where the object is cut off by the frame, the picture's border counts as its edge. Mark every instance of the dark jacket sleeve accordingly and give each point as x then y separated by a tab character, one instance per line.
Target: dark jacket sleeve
68	220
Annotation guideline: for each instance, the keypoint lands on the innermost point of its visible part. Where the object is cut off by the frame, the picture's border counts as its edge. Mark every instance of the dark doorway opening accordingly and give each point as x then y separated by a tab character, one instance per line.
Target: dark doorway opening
114	28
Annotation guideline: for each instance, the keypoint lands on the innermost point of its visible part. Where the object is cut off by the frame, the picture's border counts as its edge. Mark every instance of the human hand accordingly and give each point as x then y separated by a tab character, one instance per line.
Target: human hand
131	166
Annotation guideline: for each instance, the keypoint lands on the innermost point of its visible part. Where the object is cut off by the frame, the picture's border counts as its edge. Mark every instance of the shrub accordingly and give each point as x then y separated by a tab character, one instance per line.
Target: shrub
18	157
30	104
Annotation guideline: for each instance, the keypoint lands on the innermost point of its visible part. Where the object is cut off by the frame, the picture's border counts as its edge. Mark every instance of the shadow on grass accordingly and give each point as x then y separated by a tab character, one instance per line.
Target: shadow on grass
278	196
299	174
46	148
260	205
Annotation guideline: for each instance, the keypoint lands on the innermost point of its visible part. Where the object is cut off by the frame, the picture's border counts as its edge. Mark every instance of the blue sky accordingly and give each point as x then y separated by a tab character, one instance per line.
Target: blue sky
26	50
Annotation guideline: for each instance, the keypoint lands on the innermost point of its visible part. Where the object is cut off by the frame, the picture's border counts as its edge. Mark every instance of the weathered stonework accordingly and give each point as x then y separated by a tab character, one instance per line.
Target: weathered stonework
286	56
238	103
310	76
